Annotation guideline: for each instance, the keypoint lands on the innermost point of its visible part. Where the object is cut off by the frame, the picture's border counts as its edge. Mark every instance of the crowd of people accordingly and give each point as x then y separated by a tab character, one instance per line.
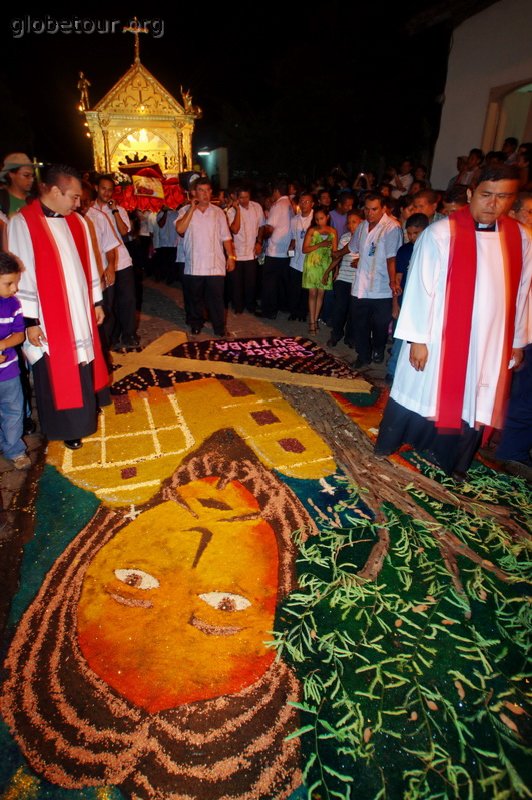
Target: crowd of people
337	254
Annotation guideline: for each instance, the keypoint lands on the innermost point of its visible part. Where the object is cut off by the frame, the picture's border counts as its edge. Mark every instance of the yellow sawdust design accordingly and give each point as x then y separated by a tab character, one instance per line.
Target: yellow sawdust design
166	424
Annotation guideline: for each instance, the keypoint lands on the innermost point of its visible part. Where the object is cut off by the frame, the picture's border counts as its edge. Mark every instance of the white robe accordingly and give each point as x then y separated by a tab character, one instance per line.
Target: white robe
75	282
422	315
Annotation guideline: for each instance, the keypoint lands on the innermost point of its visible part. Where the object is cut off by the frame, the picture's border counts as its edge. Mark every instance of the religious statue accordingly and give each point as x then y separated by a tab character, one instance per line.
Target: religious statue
187	100
189	107
83	86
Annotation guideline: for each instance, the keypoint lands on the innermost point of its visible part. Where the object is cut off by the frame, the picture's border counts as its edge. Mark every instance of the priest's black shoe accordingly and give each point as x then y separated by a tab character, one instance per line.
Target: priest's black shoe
73	444
130	342
459	476
378	356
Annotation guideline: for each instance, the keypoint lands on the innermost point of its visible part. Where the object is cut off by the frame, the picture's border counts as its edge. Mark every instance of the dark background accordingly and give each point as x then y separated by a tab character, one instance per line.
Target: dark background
293	89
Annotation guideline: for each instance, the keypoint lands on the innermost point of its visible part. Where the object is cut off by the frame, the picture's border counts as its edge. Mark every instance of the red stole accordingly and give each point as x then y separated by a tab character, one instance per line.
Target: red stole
53	299
459	298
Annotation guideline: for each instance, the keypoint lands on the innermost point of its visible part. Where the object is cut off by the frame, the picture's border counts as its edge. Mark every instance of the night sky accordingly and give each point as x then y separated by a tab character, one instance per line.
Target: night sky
289	88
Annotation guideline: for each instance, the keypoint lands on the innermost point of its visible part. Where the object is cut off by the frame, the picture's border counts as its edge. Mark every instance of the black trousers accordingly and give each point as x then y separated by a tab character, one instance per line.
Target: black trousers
124	306
368	325
164	267
180	267
340	311
243	283
134	248
297	296
274	285
105	330
206	291
72	423
142	253
451	451
25	381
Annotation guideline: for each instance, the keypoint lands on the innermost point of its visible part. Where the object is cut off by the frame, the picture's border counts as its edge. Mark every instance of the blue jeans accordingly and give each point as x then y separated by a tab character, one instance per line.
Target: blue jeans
11	418
394	355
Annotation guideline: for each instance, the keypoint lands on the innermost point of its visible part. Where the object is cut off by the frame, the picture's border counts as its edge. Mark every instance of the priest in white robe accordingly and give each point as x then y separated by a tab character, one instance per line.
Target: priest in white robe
464	323
61	297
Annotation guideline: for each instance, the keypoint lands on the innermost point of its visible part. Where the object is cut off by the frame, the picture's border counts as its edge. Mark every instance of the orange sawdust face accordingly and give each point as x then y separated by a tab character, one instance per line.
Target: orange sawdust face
177	606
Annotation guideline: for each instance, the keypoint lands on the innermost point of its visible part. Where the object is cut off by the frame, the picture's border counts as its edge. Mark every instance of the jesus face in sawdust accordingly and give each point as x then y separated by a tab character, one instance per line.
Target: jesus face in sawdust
176	607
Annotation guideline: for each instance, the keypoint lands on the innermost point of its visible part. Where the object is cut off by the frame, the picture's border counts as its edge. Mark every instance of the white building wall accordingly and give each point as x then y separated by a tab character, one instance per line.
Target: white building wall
491	49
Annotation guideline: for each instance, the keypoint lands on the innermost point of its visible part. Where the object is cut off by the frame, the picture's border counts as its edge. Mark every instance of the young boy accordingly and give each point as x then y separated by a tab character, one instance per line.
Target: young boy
415	225
11	334
343	273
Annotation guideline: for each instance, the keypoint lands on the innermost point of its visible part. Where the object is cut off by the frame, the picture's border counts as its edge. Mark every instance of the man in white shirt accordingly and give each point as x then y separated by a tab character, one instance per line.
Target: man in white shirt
509	148
276	263
471	170
426	202
105	244
402	181
464	321
209	254
297	296
124	335
246	220
377	241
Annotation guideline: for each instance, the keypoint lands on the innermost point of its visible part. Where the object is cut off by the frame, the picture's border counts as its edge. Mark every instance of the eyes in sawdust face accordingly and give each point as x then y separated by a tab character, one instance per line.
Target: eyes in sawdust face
178	605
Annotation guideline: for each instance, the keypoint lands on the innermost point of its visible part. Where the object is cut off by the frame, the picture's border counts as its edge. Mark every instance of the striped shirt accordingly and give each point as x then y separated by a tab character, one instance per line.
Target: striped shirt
11	321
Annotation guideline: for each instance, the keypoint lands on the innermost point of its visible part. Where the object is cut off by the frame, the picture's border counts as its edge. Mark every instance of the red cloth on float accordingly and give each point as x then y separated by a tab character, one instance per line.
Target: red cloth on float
127	197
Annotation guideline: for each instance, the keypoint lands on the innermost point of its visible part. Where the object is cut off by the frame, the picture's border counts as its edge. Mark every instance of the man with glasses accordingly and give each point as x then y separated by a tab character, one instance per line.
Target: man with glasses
464	324
61	298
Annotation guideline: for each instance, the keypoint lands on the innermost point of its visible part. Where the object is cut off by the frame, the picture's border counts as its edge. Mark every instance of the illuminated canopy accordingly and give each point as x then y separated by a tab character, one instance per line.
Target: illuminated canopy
138	117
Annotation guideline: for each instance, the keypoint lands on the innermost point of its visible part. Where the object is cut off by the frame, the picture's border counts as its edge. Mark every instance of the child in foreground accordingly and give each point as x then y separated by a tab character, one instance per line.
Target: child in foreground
11	334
